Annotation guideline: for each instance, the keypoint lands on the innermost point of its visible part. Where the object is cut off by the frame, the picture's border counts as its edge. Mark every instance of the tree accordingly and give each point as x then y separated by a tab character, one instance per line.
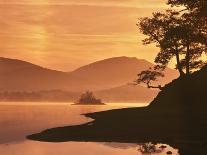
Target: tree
148	76
89	98
178	35
198	6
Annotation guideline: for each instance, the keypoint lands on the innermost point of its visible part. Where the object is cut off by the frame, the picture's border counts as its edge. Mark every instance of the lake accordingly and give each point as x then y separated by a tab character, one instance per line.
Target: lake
17	120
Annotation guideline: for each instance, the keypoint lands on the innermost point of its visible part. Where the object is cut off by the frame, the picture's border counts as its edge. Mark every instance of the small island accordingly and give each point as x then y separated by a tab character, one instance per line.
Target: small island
88	98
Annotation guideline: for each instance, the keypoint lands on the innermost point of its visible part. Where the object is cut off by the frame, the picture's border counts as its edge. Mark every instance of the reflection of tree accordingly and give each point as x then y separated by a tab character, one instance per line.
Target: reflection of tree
148	148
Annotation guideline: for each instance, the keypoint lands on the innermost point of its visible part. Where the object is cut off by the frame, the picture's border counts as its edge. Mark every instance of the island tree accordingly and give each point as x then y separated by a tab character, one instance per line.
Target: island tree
89	98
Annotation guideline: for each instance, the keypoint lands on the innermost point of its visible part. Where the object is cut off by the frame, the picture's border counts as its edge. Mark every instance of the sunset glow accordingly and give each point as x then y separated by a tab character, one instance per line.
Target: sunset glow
65	35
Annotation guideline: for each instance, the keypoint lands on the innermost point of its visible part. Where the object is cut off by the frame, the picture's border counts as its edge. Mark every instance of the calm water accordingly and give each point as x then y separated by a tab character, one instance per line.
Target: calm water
17	120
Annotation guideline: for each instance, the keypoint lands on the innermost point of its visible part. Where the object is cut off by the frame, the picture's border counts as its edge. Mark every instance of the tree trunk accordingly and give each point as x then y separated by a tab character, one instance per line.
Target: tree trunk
178	62
187	59
154	87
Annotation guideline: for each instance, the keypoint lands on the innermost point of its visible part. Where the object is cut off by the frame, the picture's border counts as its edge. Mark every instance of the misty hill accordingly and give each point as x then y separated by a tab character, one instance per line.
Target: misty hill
39	96
107	78
127	93
17	75
117	71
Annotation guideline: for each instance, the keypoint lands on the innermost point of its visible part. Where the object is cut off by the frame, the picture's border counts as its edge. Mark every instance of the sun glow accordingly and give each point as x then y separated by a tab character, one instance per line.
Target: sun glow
107	3
40	36
73	34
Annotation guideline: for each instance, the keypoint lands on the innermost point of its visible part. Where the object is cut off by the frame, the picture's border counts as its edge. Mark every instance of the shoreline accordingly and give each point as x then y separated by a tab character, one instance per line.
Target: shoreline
139	126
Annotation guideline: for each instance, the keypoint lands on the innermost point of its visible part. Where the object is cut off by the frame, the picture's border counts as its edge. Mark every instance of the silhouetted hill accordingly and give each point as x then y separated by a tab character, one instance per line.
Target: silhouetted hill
184	93
176	117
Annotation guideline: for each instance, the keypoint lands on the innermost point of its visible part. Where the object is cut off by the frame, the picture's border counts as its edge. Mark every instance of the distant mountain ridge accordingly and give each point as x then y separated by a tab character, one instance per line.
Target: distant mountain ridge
111	72
101	77
17	75
127	93
117	71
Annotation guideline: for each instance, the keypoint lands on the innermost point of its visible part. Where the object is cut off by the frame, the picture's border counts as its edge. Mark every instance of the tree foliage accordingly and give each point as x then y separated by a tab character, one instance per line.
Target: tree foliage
179	34
148	76
199	6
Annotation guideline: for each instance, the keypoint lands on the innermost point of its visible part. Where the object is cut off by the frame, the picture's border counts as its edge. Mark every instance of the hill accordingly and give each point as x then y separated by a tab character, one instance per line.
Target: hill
108	78
127	93
117	71
17	75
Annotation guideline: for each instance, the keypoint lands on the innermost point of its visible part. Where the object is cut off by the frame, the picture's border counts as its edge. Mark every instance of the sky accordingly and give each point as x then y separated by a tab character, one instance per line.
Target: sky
67	34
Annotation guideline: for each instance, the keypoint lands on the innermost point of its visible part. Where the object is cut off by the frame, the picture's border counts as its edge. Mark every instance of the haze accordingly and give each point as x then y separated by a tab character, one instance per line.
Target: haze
68	34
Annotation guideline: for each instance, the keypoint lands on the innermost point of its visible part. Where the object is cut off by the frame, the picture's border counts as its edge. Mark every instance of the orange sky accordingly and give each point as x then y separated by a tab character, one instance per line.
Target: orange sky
72	33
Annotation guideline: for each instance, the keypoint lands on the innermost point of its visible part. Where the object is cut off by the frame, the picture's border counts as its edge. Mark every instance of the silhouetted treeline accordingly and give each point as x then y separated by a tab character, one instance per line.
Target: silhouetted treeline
52	96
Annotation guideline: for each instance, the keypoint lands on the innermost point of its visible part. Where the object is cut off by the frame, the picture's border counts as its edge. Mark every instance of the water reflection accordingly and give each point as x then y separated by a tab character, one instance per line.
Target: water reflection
121	145
159	149
20	119
73	148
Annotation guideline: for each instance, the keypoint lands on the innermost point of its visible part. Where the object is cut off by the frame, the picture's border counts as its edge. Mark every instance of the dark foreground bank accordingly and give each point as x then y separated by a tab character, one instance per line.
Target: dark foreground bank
176	117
